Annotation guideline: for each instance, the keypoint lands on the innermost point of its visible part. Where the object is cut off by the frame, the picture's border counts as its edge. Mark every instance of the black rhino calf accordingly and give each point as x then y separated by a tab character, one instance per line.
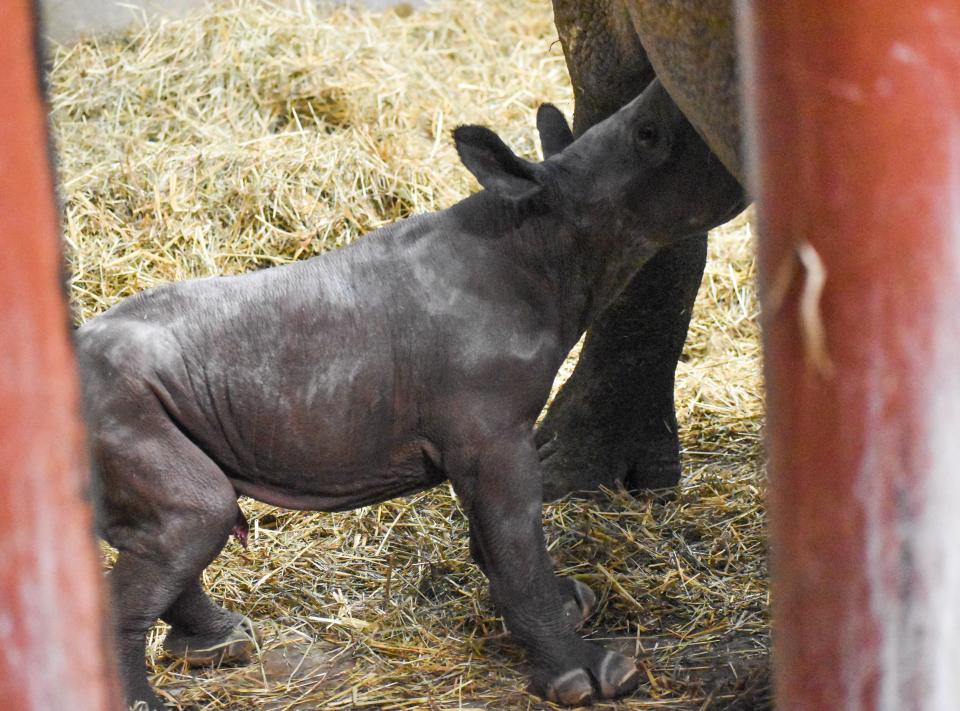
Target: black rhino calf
423	351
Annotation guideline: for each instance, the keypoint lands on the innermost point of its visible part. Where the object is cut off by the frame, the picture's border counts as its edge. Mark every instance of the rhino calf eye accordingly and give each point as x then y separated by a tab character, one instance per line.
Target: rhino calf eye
647	135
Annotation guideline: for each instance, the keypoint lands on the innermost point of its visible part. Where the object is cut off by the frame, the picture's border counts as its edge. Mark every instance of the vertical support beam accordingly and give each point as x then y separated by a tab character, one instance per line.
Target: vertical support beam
855	147
52	652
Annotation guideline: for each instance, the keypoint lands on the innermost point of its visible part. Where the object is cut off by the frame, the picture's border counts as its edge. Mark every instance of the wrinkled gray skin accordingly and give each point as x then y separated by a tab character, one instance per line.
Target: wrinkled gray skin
614	420
423	351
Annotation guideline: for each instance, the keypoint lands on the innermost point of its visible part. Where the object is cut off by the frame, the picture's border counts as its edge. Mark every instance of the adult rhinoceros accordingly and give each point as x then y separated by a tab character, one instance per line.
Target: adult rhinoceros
615	420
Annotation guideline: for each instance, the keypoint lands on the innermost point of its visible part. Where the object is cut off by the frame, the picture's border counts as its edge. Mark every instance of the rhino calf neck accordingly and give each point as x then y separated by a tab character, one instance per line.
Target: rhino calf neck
421	352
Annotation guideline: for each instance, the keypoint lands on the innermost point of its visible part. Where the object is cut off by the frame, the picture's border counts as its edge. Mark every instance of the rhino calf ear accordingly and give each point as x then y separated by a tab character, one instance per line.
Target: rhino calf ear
555	133
494	165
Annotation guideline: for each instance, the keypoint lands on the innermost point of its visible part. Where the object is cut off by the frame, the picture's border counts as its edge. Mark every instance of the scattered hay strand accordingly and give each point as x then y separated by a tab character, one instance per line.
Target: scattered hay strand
252	135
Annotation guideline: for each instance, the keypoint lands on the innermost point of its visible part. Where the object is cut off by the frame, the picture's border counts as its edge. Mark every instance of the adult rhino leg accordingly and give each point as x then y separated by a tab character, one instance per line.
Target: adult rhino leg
614	421
607	64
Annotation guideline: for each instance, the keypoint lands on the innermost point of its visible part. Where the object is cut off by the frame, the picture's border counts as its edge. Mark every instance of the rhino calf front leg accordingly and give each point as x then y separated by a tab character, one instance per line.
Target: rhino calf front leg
502	496
580	602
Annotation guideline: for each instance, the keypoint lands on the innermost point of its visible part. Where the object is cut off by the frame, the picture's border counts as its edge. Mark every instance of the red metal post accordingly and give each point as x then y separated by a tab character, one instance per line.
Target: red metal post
52	651
855	147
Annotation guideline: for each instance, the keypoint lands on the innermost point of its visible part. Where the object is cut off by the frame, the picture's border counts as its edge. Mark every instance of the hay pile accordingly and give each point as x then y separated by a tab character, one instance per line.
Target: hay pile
254	135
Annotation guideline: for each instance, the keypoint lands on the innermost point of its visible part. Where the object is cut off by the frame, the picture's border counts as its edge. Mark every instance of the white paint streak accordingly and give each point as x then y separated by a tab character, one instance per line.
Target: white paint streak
846	90
915	585
8	641
940	531
939	534
857	666
41	617
902	52
883	86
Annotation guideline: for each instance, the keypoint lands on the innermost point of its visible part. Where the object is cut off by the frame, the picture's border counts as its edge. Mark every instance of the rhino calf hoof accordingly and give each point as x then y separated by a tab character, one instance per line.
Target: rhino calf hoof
617	675
614	676
582	602
572	688
237	646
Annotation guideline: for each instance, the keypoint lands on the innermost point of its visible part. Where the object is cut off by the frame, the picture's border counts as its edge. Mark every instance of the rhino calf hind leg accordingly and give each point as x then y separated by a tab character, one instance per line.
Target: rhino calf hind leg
169	510
142	587
138	590
502	496
614	420
146	586
203	633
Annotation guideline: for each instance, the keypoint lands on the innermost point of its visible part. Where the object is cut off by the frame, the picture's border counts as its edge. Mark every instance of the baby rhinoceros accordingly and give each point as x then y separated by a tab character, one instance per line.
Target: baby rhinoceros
421	352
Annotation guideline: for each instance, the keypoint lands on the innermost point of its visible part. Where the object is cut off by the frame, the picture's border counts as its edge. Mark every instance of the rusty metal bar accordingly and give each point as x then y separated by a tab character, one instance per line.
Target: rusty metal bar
52	651
855	146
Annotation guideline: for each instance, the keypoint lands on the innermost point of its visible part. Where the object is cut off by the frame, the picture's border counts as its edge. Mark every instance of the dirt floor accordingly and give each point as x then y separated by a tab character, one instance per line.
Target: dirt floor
253	135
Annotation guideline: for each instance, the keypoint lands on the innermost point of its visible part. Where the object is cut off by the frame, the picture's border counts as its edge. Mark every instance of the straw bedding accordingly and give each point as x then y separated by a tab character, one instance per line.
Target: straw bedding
252	135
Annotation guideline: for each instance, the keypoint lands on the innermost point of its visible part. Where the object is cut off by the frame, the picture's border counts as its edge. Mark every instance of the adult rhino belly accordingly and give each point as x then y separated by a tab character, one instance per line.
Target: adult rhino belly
692	46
